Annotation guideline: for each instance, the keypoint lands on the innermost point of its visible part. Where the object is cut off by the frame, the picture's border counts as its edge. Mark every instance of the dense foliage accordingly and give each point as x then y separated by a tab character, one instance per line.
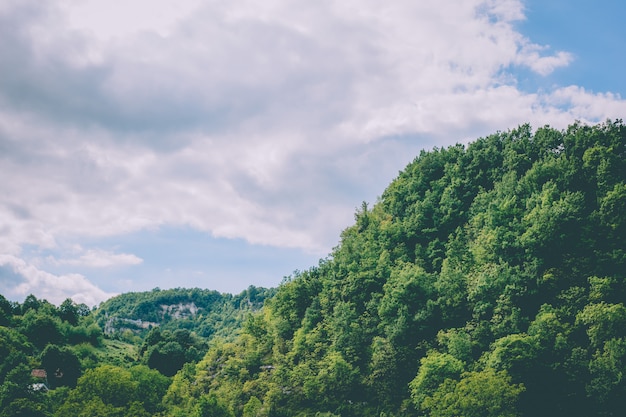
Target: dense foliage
39	335
58	361
208	313
488	280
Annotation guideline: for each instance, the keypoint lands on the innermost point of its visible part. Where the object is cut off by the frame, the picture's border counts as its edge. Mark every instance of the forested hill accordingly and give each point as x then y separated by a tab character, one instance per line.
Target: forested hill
207	313
116	360
487	281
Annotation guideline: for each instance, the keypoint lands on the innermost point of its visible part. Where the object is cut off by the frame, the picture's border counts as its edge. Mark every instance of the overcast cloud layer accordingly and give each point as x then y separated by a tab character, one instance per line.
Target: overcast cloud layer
263	121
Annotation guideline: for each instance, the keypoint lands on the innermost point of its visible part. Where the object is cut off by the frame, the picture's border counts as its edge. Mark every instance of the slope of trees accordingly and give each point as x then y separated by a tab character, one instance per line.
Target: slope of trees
39	335
488	280
208	313
58	361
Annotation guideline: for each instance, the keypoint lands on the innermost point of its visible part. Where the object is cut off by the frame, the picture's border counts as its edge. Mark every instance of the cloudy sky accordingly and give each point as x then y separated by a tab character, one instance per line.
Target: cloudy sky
219	144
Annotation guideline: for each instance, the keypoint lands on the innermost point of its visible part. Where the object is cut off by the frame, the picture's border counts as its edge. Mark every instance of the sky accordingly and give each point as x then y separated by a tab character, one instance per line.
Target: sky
213	144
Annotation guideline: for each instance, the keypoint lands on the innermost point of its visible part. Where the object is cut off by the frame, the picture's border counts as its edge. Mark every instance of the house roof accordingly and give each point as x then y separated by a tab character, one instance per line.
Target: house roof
38	373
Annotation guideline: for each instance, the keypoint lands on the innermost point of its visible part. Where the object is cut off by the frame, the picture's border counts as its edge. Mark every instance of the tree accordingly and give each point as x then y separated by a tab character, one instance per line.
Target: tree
112	385
110	391
603	322
24	407
253	408
211	406
612	207
405	307
607	386
6	311
484	393
94	407
435	369
16	386
31	303
168	358
382	378
151	387
168	351
41	328
14	350
61	365
515	353
335	380
68	311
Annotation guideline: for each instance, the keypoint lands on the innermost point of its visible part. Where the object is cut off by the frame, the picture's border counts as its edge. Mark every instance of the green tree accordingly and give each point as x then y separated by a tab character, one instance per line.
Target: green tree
112	385
68	311
484	393
6	311
515	353
612	207
24	407
62	366
607	386
16	388
253	408
41	328
382	378
405	307
435	369
31	303
603	322
168	358
210	406
335	379
14	350
151	387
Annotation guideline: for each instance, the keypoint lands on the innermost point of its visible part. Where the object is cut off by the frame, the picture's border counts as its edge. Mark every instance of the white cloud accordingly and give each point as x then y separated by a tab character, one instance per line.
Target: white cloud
107	20
588	106
544	65
98	258
54	288
268	121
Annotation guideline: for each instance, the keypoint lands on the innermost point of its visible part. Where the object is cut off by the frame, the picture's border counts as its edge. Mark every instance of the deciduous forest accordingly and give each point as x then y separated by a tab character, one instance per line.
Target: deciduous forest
488	280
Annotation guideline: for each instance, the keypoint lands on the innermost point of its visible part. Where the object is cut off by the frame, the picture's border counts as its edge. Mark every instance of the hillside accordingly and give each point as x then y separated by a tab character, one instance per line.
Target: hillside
205	312
145	337
488	280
